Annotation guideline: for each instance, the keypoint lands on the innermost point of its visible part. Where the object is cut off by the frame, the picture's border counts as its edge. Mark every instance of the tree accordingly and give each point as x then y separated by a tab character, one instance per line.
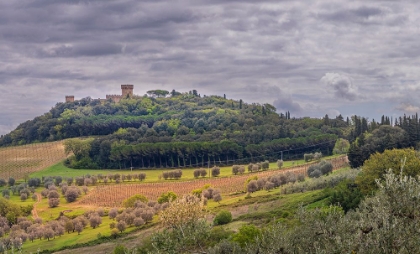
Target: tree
280	163
95	220
252	186
113	213
341	146
182	211
378	164
215	171
121	226
53	202
11	181
78	227
235	169
158	93
72	194
23	196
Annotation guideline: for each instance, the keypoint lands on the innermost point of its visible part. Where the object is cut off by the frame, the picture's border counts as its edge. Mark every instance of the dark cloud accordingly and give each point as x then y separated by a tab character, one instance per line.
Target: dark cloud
259	51
86	49
342	85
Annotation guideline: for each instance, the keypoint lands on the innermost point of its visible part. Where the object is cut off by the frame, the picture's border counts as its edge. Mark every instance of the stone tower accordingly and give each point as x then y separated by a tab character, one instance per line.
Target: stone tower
127	90
69	98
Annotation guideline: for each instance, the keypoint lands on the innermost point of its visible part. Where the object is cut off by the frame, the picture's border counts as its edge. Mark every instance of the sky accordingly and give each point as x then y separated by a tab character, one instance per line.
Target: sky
308	57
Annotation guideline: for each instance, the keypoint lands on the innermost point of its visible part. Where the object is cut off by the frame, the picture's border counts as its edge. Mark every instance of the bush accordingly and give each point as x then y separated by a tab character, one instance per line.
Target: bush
308	157
223	217
129	202
120	249
247	235
166	197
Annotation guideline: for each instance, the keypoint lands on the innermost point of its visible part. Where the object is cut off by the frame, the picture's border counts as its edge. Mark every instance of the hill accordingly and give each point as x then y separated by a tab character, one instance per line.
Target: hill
181	130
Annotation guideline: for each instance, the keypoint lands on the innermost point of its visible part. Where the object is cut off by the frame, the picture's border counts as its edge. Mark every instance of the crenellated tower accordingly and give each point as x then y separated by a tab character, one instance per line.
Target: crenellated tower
69	98
127	89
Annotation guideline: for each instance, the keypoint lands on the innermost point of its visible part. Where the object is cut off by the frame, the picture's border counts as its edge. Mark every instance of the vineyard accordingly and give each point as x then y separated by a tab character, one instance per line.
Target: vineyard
113	195
19	161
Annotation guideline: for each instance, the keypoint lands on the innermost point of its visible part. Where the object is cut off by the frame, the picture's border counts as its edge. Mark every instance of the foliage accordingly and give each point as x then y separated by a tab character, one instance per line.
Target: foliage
215	171
341	146
182	211
383	138
222	217
186	239
280	163
378	164
247	235
347	195
120	249
319	169
167	197
130	202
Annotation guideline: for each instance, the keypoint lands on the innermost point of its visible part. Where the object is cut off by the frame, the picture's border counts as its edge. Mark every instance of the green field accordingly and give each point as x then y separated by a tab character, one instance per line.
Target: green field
152	175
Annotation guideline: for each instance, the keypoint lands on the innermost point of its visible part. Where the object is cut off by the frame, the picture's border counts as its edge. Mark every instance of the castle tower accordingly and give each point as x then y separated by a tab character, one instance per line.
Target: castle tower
127	90
69	98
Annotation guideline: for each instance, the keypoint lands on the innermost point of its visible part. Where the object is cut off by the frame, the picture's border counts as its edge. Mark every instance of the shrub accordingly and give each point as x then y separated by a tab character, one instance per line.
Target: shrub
325	167
120	249
223	217
166	197
129	202
247	234
308	157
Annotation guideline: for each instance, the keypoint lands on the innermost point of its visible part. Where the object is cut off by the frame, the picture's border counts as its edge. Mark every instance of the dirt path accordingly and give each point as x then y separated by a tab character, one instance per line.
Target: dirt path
34	211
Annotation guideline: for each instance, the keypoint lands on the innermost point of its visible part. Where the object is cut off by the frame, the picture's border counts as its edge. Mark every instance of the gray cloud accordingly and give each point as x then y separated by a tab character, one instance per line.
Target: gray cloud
260	51
342	85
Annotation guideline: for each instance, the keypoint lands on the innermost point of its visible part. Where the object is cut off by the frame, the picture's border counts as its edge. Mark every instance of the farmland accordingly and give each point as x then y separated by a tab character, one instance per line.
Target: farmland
20	161
112	195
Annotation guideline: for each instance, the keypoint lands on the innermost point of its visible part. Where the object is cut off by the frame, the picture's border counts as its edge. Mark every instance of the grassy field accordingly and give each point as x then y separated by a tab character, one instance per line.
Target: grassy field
152	175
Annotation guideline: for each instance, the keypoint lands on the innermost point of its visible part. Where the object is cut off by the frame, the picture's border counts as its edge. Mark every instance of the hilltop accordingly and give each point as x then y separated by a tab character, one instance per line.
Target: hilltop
173	129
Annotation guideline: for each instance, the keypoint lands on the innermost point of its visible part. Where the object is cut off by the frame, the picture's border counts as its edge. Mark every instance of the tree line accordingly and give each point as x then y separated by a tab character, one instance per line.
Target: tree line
101	153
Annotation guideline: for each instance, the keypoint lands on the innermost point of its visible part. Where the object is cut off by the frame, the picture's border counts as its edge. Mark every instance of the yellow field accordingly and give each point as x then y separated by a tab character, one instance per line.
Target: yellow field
19	161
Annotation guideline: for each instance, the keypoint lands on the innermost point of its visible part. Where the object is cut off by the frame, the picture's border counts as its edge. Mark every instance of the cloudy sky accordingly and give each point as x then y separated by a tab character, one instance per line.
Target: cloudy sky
308	57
